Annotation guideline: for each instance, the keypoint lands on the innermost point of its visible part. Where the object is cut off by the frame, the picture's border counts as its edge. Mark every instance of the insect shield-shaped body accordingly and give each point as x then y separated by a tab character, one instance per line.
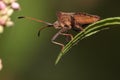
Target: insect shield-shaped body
66	21
74	20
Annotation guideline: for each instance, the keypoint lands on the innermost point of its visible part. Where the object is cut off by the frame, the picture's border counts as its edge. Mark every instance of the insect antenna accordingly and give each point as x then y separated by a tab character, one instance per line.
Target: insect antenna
34	19
31	18
42	29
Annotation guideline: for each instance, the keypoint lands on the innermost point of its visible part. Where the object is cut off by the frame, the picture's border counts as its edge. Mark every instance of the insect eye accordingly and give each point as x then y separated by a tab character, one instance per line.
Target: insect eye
56	24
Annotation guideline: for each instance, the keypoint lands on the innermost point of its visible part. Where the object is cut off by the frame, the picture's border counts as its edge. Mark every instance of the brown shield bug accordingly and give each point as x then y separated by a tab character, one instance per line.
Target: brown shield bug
67	21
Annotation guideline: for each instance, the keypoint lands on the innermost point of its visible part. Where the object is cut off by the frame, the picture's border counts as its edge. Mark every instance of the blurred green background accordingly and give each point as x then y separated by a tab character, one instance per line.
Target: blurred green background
28	57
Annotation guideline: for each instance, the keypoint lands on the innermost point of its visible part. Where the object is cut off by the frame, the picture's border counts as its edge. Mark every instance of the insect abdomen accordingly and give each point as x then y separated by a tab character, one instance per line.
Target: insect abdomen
82	18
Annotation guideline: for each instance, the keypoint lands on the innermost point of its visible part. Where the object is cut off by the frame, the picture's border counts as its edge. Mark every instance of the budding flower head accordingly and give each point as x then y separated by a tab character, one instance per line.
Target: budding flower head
1	66
7	7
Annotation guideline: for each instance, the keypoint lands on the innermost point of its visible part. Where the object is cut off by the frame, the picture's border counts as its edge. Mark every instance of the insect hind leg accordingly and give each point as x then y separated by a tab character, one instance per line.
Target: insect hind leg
54	38
67	36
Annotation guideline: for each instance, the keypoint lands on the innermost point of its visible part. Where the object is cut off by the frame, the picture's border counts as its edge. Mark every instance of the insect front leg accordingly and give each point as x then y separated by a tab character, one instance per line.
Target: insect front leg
54	38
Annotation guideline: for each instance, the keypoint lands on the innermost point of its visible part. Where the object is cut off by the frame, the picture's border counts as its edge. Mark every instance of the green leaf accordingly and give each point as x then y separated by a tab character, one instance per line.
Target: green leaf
89	31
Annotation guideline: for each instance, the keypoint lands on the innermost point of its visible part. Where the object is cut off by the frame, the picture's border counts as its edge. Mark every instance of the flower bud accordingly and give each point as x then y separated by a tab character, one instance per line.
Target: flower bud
9	23
2	5
9	12
15	5
3	20
3	11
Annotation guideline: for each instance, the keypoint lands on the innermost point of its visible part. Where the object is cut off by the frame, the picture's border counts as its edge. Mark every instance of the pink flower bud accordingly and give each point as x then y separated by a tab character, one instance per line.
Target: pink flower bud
2	5
15	5
3	11
3	20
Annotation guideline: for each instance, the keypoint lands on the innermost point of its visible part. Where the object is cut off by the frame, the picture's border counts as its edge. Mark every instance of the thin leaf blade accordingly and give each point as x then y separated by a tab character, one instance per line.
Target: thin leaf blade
89	31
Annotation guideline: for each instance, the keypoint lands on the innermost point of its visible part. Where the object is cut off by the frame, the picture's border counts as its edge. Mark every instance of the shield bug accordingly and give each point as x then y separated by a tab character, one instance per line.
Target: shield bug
67	21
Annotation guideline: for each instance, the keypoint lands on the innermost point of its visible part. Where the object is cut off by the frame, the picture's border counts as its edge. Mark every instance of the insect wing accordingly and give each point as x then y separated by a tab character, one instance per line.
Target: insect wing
84	18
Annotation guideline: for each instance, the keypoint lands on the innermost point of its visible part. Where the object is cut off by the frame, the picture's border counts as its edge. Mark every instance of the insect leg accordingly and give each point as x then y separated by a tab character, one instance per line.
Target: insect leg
79	27
67	35
55	36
